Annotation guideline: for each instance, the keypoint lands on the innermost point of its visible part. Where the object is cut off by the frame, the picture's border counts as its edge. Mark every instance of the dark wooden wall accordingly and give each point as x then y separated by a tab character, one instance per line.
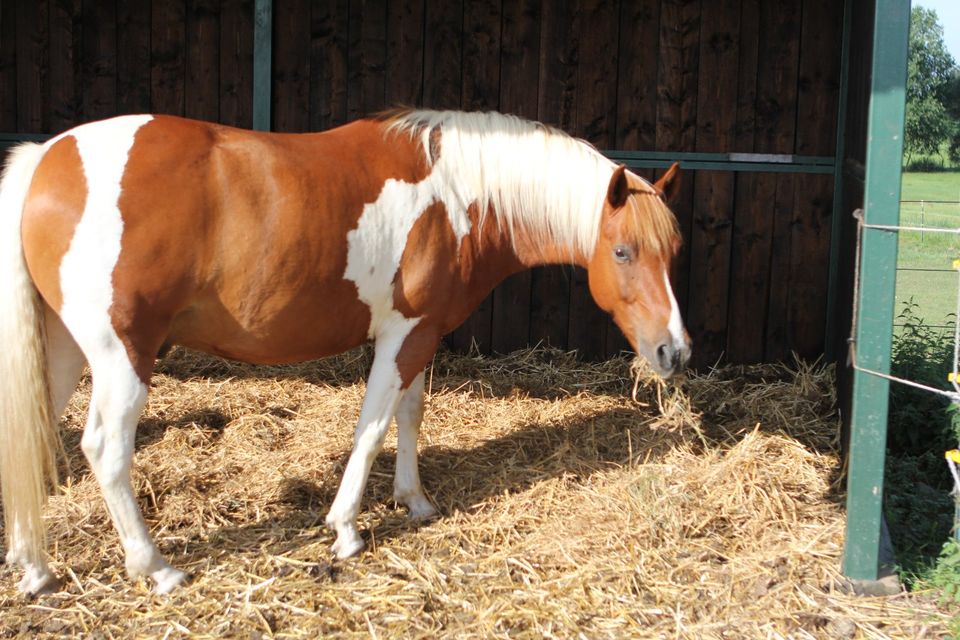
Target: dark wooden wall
667	75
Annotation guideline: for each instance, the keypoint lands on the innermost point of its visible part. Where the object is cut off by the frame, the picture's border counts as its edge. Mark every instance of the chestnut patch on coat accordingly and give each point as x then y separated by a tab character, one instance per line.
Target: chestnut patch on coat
53	207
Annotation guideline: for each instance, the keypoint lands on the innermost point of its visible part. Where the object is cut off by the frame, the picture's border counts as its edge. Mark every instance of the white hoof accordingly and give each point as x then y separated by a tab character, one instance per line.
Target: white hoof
418	507
167	579
348	543
38	580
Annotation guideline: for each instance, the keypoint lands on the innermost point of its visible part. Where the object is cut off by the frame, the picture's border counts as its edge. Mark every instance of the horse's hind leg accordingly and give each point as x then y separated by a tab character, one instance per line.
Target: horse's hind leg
64	362
406	481
108	440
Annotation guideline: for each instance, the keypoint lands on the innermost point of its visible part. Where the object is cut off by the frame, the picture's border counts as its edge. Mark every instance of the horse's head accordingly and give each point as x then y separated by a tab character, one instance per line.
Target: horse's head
629	270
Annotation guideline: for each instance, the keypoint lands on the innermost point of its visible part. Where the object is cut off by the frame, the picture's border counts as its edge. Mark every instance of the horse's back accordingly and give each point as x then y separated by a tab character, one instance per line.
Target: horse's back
227	240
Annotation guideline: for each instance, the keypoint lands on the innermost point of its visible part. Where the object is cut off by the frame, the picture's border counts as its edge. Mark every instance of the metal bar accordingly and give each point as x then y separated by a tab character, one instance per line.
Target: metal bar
868	424
716	165
836	224
671	156
262	63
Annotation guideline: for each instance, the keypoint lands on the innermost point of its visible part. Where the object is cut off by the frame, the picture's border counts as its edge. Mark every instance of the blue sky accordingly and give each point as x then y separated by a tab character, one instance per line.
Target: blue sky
948	11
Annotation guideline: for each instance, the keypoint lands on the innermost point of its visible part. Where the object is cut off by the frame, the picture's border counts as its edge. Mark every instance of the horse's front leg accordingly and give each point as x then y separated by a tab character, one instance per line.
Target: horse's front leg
406	482
384	389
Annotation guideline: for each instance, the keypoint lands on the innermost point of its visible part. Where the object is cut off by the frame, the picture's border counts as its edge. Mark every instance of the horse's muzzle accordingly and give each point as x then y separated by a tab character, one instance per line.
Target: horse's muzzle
672	358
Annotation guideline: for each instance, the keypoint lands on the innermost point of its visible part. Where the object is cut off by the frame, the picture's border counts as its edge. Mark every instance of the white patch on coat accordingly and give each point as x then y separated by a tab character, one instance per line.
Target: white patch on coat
376	246
86	272
675	324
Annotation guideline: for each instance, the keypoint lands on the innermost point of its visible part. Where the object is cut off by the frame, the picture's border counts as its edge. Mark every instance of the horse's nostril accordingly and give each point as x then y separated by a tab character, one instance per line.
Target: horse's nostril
666	356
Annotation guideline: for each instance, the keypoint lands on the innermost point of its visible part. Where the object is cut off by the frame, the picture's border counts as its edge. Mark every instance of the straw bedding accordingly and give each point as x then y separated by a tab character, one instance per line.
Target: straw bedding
704	509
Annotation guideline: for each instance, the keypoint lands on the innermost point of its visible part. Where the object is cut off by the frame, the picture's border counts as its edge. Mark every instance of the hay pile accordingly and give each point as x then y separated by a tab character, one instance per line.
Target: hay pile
707	509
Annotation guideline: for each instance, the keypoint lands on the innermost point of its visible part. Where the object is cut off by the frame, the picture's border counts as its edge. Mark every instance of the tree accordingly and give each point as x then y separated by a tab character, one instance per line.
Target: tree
930	70
951	102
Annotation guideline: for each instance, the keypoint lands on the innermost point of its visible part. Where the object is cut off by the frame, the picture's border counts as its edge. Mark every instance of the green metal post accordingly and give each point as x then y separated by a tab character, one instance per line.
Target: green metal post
868	424
262	62
830	332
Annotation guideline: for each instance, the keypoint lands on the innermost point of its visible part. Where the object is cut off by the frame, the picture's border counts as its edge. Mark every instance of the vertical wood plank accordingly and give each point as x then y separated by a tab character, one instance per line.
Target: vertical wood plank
811	226
809	257
8	65
99	60
746	310
481	55
405	34
329	29
636	96
520	59
777	78
236	63
442	50
33	92
559	63
637	75
557	106
480	91
291	70
749	267
166	55
202	83
65	71
367	58
596	123
710	241
133	56
744	133
777	336
676	114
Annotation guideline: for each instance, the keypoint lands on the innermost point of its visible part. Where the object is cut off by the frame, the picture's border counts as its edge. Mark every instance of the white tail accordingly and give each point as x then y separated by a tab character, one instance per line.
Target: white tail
27	438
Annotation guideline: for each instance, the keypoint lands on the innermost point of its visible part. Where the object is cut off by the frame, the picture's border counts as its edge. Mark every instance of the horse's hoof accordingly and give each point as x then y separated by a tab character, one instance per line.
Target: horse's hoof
348	544
419	508
167	579
38	582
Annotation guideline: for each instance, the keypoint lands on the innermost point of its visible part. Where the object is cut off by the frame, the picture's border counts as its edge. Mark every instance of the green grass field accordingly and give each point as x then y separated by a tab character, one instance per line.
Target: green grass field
935	292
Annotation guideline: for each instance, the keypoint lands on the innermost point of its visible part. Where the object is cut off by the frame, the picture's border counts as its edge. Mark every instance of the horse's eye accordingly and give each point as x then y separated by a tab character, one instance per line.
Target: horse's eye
622	254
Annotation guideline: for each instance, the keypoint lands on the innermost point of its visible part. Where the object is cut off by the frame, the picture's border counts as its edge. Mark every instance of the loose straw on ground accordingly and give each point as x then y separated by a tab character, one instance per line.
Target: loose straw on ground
706	509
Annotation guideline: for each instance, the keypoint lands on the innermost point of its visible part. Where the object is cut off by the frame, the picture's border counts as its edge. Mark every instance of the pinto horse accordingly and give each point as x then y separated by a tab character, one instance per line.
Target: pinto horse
129	235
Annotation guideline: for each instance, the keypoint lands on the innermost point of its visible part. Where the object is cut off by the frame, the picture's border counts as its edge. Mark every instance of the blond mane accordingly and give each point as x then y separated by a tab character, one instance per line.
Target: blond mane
534	176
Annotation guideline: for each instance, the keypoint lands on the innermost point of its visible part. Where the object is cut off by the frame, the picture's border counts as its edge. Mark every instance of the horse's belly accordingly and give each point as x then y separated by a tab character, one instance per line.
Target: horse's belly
275	330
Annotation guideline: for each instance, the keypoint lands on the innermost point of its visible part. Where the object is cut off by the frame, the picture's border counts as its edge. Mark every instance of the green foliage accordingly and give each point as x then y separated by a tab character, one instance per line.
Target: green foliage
918	419
945	575
931	70
925	127
917	501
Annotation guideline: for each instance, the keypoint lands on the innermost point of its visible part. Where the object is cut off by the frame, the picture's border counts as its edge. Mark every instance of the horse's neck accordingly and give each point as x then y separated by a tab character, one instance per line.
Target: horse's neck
533	248
533	251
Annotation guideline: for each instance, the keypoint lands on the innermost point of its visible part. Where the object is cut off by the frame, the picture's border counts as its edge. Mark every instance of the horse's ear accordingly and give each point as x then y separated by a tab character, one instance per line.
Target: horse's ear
618	190
669	183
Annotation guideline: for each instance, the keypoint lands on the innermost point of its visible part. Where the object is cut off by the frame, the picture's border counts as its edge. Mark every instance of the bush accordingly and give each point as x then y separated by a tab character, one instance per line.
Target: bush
920	420
917	503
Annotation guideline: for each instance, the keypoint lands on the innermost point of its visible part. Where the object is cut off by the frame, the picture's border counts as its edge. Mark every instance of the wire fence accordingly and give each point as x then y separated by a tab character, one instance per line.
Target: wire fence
924	267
